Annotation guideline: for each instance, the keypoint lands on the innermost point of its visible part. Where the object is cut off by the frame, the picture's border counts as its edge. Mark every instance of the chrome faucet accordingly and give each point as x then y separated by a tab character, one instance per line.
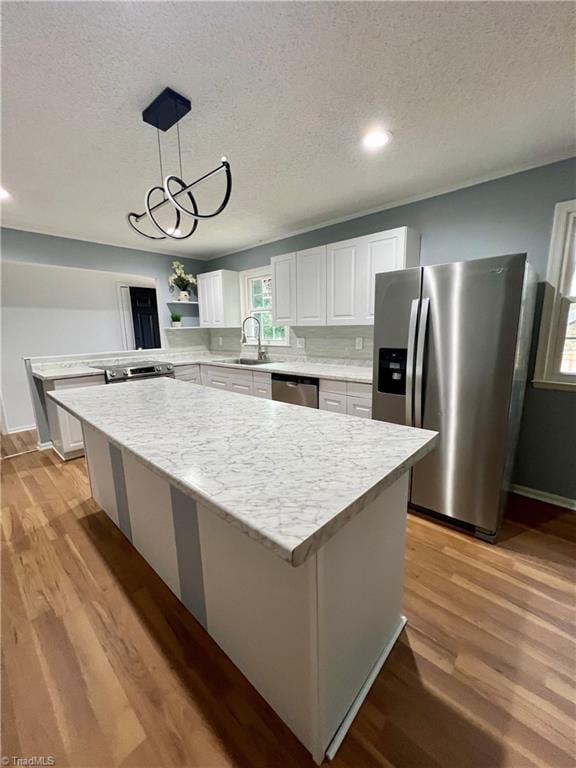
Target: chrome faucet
261	353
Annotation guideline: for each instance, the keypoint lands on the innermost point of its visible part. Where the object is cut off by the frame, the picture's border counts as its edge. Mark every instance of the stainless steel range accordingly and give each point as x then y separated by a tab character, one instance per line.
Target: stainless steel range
143	369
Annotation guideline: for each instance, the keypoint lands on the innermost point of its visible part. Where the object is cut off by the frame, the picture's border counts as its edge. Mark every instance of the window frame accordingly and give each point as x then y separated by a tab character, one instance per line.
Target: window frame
555	308
245	277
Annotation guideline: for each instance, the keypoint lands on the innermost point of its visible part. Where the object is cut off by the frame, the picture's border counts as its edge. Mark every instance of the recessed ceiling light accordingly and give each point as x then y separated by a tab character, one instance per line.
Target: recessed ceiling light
4	195
376	139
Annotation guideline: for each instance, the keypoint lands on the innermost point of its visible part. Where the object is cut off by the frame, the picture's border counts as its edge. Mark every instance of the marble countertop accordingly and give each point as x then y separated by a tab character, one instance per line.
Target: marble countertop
287	476
340	370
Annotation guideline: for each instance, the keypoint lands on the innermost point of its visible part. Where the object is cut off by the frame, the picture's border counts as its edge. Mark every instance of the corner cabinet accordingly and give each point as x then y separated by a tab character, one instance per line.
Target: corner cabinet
219	299
334	284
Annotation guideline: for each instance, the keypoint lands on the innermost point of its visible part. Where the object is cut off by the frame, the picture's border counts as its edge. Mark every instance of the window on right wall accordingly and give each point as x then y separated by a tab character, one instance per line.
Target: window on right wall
556	359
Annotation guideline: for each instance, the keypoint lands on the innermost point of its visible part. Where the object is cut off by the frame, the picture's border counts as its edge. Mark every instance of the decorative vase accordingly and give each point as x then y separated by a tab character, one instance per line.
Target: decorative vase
176	323
184	296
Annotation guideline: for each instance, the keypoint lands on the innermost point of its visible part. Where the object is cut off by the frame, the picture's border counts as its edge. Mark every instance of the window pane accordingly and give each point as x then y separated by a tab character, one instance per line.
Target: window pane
568	364
571	266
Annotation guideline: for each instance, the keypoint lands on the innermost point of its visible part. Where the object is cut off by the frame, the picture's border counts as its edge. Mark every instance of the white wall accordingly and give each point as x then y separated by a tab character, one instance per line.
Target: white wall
52	310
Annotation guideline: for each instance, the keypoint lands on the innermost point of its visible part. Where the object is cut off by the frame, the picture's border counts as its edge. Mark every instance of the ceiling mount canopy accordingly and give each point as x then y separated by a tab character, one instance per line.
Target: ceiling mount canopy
163	113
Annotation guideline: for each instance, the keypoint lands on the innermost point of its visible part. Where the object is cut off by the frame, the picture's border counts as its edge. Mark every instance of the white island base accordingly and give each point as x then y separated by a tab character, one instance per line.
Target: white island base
311	639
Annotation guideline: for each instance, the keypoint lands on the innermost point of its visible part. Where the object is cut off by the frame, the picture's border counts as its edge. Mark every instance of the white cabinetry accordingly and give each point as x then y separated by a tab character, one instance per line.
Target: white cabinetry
311	286
384	252
262	384
284	289
214	376
241	382
334	284
187	373
219	299
237	380
65	429
353	398
344	274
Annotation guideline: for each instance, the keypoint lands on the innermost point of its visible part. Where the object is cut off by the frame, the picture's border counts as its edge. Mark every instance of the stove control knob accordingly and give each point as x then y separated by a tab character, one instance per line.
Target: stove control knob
111	374
169	367
126	371
158	369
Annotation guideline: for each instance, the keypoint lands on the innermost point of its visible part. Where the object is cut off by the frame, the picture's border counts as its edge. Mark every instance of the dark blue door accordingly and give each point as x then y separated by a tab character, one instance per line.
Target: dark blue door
145	318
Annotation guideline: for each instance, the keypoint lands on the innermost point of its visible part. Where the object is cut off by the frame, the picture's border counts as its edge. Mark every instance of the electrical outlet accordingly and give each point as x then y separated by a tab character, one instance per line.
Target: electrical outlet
220	341
359	342
300	342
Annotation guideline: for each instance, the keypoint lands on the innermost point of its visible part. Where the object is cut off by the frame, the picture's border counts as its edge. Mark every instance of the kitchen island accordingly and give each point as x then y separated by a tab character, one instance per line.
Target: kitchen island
280	528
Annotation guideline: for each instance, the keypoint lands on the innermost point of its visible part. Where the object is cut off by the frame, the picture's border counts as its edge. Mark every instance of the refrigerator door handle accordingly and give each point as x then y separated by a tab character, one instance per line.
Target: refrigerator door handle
410	362
419	374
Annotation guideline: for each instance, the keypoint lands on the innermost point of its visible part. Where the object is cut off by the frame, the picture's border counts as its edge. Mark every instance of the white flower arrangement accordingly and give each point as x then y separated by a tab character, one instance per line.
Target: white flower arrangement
179	279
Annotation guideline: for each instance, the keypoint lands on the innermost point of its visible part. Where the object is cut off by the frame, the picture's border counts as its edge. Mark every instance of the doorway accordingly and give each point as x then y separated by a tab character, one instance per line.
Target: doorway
144	307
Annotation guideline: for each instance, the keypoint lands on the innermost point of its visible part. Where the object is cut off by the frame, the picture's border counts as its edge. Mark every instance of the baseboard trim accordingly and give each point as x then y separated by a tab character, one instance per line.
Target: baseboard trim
15	430
44	446
363	692
549	498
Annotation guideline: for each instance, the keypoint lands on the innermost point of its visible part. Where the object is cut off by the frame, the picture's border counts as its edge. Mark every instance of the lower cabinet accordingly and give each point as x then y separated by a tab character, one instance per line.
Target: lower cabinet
213	376
262	384
352	398
66	430
237	380
187	373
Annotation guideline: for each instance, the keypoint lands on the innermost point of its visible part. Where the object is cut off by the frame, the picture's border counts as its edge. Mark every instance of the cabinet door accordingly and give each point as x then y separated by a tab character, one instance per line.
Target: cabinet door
217	292
359	406
311	286
327	401
205	300
284	289
262	384
187	373
383	252
343	267
213	376
242	382
65	429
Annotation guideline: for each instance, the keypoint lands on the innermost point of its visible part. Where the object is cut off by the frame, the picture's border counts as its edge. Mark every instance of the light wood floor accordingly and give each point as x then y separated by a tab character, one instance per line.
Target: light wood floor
103	667
18	442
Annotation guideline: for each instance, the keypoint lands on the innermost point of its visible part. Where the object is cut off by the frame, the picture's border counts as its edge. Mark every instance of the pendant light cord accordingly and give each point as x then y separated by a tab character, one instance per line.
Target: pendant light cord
160	158
179	150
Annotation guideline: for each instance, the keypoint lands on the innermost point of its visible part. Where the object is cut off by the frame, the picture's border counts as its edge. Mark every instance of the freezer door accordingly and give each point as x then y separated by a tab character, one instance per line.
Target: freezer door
395	326
465	361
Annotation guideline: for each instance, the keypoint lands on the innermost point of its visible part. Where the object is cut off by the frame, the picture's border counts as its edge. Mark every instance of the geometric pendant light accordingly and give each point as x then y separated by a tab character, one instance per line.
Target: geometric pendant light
166	110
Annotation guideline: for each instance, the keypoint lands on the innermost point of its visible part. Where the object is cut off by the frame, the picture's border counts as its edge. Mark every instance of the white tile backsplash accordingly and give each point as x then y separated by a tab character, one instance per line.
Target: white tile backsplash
326	343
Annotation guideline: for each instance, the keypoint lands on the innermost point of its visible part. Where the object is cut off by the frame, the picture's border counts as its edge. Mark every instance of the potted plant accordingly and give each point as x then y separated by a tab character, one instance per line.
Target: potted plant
176	321
179	279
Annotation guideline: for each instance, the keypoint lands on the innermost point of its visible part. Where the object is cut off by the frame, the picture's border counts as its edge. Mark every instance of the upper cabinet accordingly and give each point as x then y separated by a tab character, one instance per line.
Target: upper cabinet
311	286
335	284
343	268
219	299
384	252
284	289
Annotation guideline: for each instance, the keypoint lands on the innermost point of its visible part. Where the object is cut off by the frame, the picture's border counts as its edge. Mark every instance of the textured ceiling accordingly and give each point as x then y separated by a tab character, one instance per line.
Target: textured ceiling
286	91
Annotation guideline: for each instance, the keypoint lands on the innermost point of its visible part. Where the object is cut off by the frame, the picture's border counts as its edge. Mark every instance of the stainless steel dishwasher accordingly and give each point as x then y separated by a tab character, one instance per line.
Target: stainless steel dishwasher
299	390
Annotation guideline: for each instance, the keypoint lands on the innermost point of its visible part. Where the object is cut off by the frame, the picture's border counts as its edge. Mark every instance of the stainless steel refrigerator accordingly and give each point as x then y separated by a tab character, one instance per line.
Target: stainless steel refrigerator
451	346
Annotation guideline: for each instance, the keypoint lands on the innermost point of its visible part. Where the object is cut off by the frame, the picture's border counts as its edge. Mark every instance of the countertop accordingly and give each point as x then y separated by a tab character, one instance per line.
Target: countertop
287	476
342	371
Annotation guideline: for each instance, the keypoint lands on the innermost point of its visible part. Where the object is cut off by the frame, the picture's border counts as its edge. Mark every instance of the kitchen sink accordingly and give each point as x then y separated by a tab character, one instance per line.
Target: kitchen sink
244	361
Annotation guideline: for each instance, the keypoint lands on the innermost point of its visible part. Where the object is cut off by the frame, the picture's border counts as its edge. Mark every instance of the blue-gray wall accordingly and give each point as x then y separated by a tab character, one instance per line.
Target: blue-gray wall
31	247
509	215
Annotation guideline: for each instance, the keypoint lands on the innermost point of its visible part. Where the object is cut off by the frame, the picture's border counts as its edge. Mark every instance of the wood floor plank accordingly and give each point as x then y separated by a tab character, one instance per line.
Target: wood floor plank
122	675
